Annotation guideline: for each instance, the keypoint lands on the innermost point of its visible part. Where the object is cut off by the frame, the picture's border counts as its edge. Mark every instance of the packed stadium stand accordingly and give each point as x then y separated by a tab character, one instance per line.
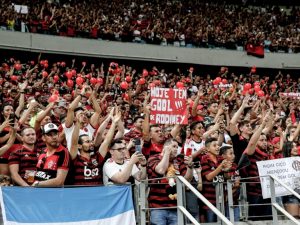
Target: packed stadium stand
180	112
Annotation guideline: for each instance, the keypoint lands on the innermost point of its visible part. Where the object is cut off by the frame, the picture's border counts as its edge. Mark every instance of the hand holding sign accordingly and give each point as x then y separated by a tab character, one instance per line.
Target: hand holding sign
168	106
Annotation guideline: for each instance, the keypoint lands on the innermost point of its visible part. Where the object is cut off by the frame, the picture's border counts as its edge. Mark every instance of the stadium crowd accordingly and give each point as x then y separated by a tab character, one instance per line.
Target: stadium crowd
87	124
180	23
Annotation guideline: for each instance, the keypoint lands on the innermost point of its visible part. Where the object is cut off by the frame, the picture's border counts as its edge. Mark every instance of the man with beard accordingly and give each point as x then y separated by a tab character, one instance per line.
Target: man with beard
257	150
53	163
22	162
88	164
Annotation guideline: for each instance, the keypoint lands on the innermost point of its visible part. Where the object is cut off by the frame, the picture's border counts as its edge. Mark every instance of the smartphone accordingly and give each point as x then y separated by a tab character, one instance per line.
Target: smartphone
197	164
12	116
138	146
188	152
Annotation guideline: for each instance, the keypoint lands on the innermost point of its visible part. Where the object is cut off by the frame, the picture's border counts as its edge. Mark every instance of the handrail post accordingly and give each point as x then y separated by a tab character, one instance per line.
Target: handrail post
180	201
220	200
230	201
273	201
244	201
142	202
137	205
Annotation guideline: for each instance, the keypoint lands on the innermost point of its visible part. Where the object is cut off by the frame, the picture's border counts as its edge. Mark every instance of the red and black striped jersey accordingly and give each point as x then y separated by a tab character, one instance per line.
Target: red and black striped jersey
209	166
150	148
254	187
233	175
88	171
40	144
133	133
25	158
47	166
158	196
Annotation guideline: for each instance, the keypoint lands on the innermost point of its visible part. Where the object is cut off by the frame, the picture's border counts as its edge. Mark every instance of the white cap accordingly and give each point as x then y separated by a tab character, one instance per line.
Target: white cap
50	127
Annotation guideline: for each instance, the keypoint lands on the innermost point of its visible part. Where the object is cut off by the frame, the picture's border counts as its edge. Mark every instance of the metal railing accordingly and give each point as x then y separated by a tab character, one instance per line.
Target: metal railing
182	213
181	183
275	205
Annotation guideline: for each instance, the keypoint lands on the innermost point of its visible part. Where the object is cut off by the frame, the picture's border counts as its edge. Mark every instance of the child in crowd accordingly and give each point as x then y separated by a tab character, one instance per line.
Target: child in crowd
232	174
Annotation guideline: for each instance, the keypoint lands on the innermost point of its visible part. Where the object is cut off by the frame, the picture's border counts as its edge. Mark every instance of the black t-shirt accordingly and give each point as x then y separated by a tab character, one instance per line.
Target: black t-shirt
239	145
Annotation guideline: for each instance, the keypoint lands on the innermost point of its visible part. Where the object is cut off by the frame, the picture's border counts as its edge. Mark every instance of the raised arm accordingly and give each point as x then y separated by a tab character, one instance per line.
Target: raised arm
196	102
255	137
296	134
270	124
103	149
26	114
121	129
74	142
219	113
282	141
72	107
21	99
4	124
236	116
102	127
176	130
42	11
146	124
42	115
10	142
94	121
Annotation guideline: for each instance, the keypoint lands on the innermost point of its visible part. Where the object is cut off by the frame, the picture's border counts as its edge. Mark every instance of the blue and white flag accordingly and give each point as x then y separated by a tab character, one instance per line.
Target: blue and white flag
110	205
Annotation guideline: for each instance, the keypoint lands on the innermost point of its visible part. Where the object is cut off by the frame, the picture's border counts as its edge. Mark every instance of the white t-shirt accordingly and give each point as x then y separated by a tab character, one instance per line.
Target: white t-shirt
195	146
110	168
88	130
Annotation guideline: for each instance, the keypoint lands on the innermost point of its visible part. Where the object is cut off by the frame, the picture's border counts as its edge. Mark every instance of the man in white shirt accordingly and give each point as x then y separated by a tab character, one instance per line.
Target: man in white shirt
74	112
118	169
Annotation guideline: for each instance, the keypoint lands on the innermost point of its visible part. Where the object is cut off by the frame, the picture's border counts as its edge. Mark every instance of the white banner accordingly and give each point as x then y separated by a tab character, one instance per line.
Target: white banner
290	95
286	170
23	9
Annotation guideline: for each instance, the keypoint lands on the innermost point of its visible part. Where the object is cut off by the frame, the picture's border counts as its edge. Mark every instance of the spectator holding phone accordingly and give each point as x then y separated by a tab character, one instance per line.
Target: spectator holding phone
118	170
